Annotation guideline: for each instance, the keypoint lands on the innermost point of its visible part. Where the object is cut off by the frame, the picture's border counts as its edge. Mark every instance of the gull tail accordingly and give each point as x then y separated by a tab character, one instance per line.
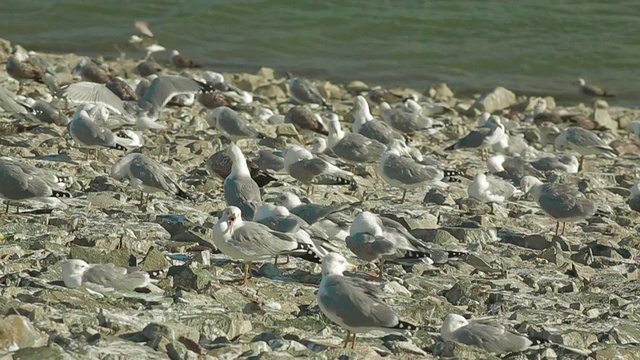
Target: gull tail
205	86
60	194
452	172
452	147
184	195
404	326
309	254
330	180
326	105
263	179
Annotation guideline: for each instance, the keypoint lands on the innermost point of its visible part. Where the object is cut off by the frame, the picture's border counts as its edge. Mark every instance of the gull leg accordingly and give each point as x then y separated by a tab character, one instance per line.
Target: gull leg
247	272
20	88
6	210
581	166
346	339
557	227
381	271
353	342
18	208
404	196
86	155
564	225
284	263
141	198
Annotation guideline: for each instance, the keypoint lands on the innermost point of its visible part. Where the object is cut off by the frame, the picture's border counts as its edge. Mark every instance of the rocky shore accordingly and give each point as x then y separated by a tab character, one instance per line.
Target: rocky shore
580	290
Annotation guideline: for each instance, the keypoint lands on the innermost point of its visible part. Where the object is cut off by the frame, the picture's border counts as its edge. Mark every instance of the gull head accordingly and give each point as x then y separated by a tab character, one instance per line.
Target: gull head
20	53
411	105
360	103
494	163
318	145
385	106
335	264
72	272
295	153
288	200
541	106
175	53
135	39
263	114
452	322
484	117
365	222
560	143
334	128
494	120
84	61
580	82
397	147
530	184
213	77
232	216
235	153
264	211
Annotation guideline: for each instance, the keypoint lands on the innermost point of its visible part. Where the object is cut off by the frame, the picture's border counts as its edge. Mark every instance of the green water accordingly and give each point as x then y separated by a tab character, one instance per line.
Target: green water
530	46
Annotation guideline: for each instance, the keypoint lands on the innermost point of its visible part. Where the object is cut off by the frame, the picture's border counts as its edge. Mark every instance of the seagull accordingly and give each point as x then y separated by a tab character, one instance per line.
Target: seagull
304	167
145	41
565	163
232	125
21	67
304	92
220	164
20	182
490	189
541	114
482	137
251	241
328	218
86	133
403	172
353	148
121	89
146	175
93	70
548	133
634	197
561	202
584	142
365	124
269	160
305	120
240	189
76	273
489	335
372	237
592	90
512	168
409	122
355	304
182	62
11	103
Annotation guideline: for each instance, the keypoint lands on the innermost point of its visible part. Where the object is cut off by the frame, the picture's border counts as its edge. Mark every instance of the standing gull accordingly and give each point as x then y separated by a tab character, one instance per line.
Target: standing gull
403	172
409	122
489	335
240	189
562	202
21	67
365	124
353	303
146	175
304	167
482	137
304	92
182	62
251	241
584	142
372	237
90	135
490	189
220	164
19	182
591	90
353	148
76	273
232	124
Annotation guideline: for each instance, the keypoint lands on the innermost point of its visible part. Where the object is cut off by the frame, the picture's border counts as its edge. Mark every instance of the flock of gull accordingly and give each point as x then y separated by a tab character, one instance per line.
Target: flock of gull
258	225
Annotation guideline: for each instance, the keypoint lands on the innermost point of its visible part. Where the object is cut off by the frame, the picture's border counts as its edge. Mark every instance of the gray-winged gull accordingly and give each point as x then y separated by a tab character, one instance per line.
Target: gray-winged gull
90	135
548	133
353	148
482	137
409	122
561	202
365	124
146	175
232	124
98	277
489	335
403	172
372	237
20	182
490	189
145	41
240	189
355	304
251	241
304	92
583	142
305	120
565	163
220	164
310	170
512	168
591	90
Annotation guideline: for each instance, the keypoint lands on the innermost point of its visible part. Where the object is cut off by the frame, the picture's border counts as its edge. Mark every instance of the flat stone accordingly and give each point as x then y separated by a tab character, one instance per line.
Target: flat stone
474	235
155	261
118	257
191	277
496	99
17	332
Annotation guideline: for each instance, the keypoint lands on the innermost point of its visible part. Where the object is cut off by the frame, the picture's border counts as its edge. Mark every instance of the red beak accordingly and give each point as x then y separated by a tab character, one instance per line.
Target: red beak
232	218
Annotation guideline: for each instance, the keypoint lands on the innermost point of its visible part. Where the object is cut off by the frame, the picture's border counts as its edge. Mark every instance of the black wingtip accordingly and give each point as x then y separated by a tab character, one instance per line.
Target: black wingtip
453	253
452	172
64	179
119	147
331	180
416	255
184	195
205	86
405	326
538	341
452	147
261	135
308	254
326	105
60	194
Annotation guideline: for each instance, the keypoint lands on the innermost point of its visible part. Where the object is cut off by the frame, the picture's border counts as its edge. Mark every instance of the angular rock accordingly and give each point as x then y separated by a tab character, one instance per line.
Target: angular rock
496	99
474	235
191	277
17	332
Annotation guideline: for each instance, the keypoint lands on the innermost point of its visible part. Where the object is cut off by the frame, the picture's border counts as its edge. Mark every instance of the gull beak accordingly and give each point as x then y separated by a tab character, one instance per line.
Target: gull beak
352	268
231	220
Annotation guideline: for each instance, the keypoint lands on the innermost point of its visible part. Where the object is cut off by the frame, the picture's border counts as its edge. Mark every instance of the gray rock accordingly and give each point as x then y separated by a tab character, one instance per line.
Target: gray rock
496	99
17	332
191	277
